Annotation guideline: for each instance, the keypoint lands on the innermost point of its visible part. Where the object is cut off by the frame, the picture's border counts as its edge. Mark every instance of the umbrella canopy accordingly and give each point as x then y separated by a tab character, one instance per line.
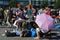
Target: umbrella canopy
45	22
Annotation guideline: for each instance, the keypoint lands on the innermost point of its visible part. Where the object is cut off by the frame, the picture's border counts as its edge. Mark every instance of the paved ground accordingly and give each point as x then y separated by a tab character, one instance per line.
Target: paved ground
11	38
6	38
15	38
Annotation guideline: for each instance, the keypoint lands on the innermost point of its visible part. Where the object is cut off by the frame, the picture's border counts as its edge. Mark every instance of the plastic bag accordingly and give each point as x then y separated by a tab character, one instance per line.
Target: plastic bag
33	33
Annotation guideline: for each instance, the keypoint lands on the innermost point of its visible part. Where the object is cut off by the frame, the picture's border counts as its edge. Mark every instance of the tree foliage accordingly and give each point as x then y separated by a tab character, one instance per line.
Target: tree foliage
44	4
13	3
57	4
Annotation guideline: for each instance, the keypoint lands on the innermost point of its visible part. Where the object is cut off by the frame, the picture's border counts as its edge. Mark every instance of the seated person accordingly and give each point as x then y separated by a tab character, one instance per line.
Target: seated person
19	18
40	32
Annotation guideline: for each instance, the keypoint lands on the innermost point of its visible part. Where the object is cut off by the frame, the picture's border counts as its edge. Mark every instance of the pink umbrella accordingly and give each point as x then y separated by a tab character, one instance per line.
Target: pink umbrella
45	22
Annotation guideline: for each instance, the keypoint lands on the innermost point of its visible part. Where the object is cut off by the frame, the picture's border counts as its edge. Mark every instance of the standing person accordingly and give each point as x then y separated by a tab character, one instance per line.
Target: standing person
29	12
1	16
41	10
33	10
25	10
47	11
33	13
6	12
10	16
53	13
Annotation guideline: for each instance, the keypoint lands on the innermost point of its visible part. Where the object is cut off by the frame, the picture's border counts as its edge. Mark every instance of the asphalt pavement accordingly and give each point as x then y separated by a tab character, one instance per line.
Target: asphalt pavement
2	31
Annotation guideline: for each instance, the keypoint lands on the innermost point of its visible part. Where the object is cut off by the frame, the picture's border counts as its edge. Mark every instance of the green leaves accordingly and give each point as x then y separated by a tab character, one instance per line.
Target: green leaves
57	4
13	3
44	4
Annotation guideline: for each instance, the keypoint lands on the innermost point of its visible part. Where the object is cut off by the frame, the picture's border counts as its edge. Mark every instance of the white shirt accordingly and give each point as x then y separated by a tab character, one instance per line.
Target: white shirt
40	11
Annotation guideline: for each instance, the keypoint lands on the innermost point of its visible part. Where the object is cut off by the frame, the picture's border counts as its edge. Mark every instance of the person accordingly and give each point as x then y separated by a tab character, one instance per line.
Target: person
11	18
59	12
38	34
55	15
41	33
41	10
47	11
6	12
19	18
33	11
53	12
1	16
29	12
25	10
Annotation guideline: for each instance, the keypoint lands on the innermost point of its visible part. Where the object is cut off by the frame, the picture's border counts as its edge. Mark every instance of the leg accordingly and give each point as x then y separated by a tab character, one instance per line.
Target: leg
38	34
15	24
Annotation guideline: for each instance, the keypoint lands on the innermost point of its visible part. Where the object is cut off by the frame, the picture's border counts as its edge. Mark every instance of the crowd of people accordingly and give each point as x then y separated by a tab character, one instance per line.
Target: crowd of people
22	17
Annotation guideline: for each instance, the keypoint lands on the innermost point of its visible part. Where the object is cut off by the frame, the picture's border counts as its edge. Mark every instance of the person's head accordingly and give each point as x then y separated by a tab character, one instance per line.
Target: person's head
32	6
19	5
29	6
46	8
